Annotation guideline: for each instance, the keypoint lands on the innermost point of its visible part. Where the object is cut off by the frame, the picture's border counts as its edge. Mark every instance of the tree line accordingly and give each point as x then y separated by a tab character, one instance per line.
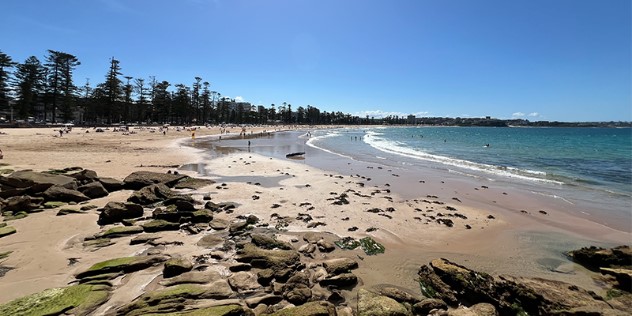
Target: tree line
47	92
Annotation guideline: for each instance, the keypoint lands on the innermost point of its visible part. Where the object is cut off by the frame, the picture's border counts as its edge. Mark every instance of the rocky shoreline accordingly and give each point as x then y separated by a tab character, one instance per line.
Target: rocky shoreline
236	263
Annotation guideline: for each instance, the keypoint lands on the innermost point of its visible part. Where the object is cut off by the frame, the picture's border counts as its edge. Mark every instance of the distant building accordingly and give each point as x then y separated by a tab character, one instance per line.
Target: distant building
411	119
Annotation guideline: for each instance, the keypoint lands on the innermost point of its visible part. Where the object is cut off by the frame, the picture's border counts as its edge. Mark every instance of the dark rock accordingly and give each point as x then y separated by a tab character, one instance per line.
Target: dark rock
594	258
184	203
120	231
37	181
84	176
201	216
111	184
60	193
93	190
193	183
68	211
23	203
114	212
176	266
237	227
140	179
151	194
325	246
169	214
623	277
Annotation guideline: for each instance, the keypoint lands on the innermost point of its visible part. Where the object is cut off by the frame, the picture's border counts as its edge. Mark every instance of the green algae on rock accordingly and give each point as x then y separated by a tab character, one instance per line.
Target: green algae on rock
77	300
125	264
7	230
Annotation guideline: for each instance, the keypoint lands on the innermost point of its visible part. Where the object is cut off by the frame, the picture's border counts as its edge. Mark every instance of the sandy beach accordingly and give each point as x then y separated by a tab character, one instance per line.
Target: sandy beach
498	231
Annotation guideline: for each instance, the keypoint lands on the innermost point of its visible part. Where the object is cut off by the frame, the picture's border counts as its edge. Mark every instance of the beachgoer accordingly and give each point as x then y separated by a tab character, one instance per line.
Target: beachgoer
193	134
61	132
248	144
1	155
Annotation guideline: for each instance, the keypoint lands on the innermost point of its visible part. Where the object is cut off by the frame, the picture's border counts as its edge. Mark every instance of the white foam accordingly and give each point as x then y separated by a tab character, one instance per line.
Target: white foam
311	141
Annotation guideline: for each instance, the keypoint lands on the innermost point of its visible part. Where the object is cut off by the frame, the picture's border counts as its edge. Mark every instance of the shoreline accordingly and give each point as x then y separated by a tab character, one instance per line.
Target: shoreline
502	245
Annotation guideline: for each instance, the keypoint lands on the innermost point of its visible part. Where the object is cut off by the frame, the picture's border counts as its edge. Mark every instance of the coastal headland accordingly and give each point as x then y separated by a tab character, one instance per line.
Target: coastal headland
229	229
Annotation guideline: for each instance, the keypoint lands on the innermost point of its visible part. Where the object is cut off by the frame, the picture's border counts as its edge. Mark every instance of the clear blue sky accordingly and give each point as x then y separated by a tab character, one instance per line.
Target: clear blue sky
566	60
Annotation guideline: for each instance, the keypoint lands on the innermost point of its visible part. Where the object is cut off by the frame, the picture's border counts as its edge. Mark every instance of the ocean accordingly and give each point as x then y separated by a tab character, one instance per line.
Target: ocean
588	166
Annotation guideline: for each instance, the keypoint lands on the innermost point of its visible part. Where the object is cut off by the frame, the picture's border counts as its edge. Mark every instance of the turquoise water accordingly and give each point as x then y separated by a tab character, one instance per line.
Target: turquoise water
597	157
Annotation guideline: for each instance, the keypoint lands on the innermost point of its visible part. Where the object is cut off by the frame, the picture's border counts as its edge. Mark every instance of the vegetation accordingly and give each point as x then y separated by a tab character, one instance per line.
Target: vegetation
76	300
36	92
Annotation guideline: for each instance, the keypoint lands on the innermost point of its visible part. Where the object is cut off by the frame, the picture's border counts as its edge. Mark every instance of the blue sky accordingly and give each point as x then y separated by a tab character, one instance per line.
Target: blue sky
566	60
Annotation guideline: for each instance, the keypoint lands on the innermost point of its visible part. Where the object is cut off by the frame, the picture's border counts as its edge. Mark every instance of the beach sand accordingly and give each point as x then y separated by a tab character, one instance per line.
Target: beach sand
501	239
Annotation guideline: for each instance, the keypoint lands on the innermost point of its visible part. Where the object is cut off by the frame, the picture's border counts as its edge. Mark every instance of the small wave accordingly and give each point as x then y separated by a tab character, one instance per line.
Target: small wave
510	172
553	196
310	143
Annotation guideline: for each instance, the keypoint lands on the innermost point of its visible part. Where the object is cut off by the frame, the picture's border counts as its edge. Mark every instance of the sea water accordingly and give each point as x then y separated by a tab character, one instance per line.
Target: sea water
580	165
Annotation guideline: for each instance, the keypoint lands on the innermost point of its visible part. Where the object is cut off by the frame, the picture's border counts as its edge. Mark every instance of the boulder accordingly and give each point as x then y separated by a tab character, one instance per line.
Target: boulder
169	213
22	203
140	179
244	282
372	304
93	190
37	181
193	183
125	265
401	295
151	194
184	203
6	231
263	258
120	231
218	224
623	277
84	175
210	241
202	216
60	193
111	184
340	265
237	227
425	306
340	280
176	266
325	246
114	212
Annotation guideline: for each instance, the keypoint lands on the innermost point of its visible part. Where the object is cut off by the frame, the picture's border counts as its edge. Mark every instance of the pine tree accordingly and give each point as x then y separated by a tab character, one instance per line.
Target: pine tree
6	63
112	89
29	81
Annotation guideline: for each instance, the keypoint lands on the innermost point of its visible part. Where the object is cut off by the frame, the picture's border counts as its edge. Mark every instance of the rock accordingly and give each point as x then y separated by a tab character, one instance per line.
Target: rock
6	231
296	290
111	184
151	194
244	282
184	203
169	213
340	265
98	243
176	266
210	241
218	224
84	175
371	304
125	265
53	204
140	179
22	203
312	237
309	309
59	193
425	306
399	294
144	238
93	190
325	246
114	212
266	299
237	227
594	258
510	295
340	280
267	242
623	276
370	246
263	258
37	181
201	216
159	225
193	183
120	231
193	277
68	211
80	299
484	309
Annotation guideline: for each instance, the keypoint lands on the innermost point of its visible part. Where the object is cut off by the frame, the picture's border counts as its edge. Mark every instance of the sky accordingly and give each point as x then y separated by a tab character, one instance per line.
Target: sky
557	60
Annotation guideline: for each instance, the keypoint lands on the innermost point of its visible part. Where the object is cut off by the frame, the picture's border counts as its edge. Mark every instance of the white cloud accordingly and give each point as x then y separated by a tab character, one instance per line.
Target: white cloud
381	114
239	99
534	114
517	114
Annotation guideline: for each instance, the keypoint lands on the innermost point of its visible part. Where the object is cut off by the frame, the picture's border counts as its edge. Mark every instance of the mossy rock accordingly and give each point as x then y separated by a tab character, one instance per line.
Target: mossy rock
168	300
370	303
125	264
347	243
9	216
6	231
3	225
76	300
160	225
193	183
4	255
6	171
264	258
53	204
67	211
371	247
98	243
176	266
88	207
121	231
308	309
